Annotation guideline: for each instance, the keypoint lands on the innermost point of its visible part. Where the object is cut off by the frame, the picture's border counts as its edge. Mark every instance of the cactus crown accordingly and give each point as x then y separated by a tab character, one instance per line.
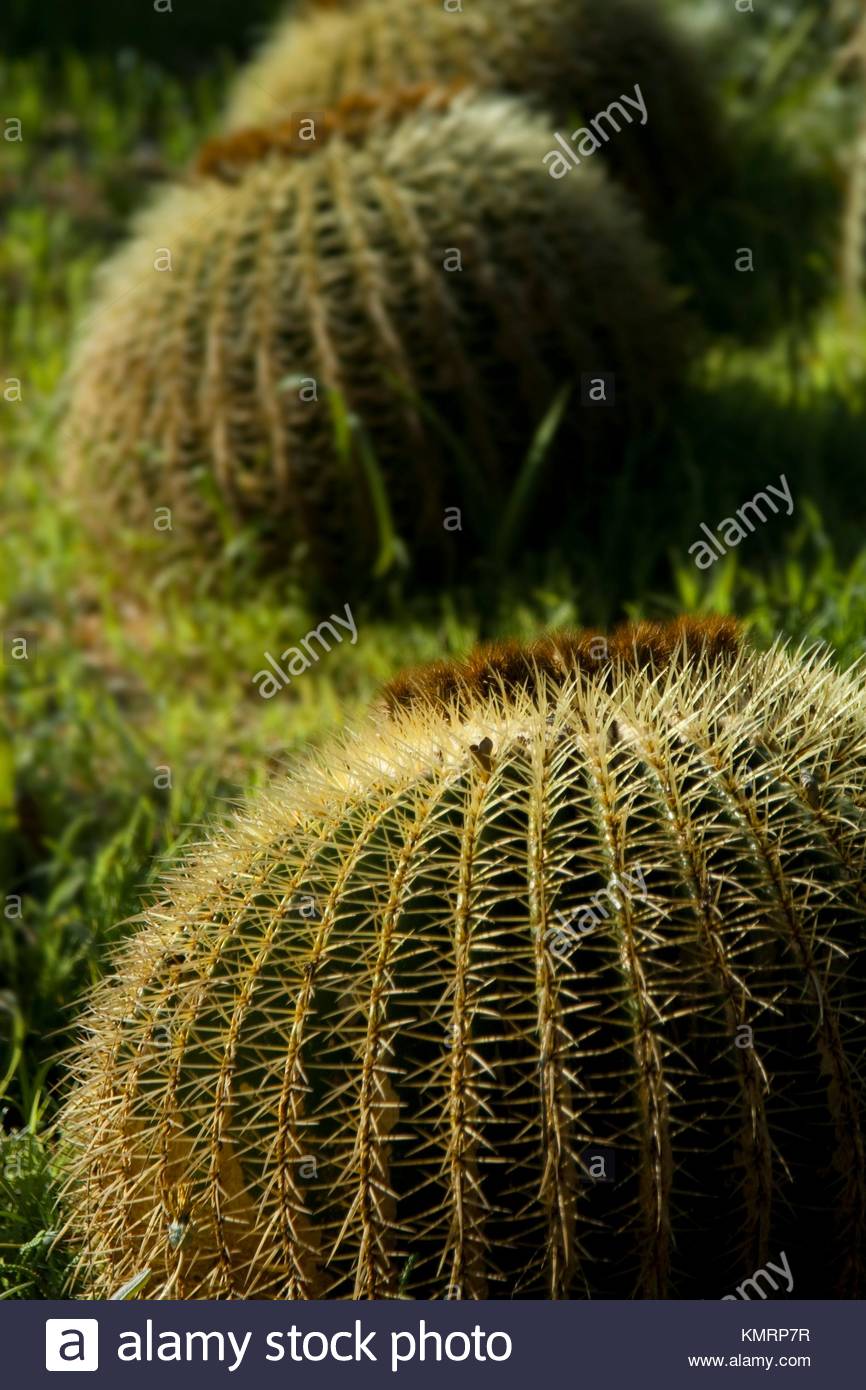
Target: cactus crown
376	1035
507	667
352	119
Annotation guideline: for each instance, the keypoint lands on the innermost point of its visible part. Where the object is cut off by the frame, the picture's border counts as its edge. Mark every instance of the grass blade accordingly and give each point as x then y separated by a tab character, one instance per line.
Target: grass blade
521	494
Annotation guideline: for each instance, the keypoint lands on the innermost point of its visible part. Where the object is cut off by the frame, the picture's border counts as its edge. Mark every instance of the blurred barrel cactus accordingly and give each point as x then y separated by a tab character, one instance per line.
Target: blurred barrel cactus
338	329
572	58
546	982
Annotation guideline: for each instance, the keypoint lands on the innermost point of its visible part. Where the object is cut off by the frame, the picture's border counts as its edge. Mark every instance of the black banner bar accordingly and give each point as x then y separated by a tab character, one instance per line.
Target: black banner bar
503	1345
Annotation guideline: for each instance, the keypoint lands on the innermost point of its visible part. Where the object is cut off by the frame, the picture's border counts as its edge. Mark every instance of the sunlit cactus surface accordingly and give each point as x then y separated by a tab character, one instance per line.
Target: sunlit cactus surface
546	981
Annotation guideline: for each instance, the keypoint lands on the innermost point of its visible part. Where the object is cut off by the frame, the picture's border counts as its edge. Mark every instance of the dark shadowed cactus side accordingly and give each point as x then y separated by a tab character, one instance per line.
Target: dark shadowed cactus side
571	58
414	269
573	899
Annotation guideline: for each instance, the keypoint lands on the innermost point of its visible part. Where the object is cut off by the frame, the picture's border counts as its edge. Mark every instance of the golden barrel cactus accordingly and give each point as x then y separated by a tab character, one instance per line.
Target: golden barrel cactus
547	981
572	58
300	334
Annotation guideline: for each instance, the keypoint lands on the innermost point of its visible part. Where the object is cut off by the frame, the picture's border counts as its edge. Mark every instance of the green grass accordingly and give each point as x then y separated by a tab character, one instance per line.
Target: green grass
128	675
33	1263
179	31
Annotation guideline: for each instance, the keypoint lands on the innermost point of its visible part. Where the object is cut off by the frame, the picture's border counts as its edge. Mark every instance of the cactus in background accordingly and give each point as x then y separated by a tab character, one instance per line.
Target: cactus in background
706	184
419	272
564	910
572	58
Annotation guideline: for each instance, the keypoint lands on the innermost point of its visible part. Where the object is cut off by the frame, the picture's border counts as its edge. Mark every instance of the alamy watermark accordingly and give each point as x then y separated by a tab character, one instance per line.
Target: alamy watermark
733	529
562	940
587	139
783	1269
301	657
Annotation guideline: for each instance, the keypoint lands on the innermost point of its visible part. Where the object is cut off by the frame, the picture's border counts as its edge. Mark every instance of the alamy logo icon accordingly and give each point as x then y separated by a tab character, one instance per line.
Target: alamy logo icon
71	1344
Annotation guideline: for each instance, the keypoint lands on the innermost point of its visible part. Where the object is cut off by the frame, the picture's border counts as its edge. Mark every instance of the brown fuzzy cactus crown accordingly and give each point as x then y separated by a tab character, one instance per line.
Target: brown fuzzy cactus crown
512	666
351	119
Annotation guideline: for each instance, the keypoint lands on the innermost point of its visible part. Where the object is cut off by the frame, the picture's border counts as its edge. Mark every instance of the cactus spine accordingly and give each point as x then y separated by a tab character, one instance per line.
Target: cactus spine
294	282
572	58
347	1055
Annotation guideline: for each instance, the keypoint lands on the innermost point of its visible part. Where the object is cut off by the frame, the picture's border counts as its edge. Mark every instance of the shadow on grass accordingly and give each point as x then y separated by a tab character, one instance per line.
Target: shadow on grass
772	213
621	528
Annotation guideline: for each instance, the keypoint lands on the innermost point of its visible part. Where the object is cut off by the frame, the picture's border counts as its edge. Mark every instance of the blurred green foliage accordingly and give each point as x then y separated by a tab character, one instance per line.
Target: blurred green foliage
33	1262
179	32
